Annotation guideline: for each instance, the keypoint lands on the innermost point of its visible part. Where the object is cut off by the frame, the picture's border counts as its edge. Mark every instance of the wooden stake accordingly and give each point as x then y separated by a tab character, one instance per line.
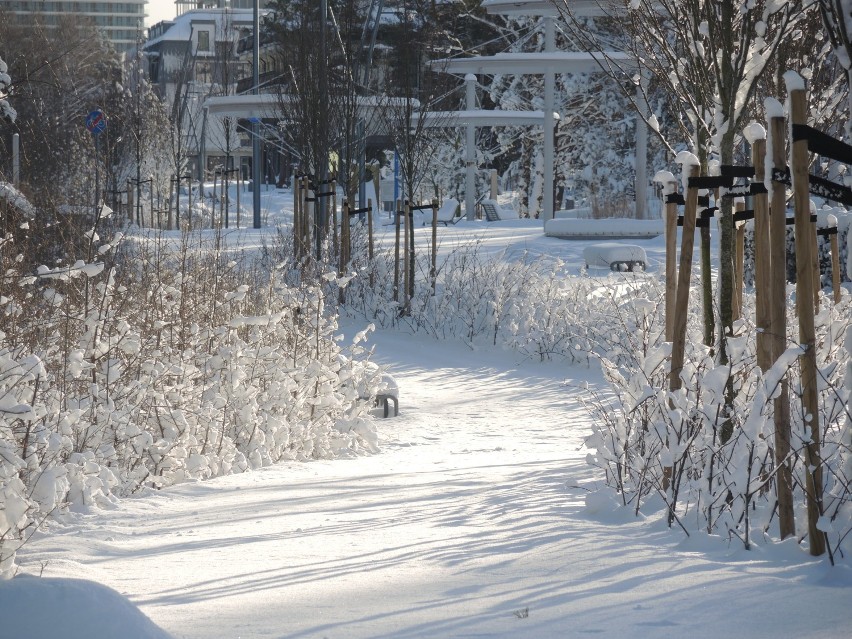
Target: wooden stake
433	273
406	269
778	330
805	257
683	280
671	264
739	259
835	269
370	241
682	301
762	262
397	213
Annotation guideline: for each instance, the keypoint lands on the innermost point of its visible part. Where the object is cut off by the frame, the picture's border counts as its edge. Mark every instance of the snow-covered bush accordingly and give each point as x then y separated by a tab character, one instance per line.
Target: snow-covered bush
158	363
673	447
709	463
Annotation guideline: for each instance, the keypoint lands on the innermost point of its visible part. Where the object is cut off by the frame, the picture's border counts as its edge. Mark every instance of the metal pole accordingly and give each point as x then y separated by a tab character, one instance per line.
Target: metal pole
255	126
470	148
549	103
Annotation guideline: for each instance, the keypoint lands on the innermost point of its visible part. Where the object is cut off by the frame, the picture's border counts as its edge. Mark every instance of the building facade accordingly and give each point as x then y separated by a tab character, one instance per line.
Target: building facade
121	22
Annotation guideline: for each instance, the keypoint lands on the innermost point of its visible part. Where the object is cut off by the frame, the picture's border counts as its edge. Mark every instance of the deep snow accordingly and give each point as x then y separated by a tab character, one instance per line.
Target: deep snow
471	521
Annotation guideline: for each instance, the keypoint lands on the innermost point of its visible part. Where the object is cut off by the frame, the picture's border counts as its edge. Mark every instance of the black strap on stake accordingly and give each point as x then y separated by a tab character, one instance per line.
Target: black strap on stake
742	216
325	194
410	213
328	181
703	200
675	198
744	190
420	208
830	190
366	209
310	199
791	221
733	171
782	175
822	144
710	181
831	230
703	218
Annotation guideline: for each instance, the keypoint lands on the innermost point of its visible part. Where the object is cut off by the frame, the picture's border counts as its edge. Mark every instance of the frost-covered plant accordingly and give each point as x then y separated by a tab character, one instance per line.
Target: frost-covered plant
669	445
159	362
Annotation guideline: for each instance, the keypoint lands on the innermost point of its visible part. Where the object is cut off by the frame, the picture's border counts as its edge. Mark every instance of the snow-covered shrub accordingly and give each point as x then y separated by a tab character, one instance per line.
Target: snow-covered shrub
161	362
712	462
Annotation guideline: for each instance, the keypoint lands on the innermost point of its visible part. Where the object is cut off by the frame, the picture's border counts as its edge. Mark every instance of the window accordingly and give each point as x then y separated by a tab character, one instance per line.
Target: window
203	41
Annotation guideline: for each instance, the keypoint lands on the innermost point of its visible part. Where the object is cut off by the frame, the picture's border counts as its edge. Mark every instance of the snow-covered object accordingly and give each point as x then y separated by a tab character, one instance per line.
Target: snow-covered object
16	199
773	108
667	180
793	81
33	607
754	131
611	228
613	256
686	159
6	110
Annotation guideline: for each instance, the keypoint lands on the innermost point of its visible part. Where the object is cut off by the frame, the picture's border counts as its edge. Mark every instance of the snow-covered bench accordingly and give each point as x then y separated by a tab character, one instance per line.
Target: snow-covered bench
615	256
447	212
608	228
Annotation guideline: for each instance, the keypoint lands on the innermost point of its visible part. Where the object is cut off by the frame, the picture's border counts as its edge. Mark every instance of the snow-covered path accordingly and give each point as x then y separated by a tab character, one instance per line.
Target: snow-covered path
471	522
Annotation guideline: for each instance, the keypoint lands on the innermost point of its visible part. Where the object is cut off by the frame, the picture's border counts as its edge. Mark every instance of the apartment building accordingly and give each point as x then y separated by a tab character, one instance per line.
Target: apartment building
121	22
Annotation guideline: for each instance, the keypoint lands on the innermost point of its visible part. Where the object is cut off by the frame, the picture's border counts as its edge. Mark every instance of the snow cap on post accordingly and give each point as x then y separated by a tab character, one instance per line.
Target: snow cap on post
773	108
469	77
686	159
667	179
794	81
754	131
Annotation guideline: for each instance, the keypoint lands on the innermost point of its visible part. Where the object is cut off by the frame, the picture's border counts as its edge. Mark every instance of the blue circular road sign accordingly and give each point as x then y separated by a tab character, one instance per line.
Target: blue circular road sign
96	122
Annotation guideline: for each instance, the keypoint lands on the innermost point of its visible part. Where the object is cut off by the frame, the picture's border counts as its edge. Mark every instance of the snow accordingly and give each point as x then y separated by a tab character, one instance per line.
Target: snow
773	108
754	131
477	517
793	81
599	228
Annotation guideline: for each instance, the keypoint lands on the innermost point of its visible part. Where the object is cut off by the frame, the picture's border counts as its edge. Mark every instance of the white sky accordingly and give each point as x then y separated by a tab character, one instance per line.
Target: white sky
158	10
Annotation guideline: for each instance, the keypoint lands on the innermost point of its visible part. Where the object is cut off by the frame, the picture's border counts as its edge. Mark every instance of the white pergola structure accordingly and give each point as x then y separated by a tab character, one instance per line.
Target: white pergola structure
547	63
471	118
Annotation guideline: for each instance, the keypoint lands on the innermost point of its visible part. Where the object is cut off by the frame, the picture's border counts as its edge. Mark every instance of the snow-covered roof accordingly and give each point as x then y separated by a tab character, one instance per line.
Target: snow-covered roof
16	199
532	63
182	26
482	117
547	7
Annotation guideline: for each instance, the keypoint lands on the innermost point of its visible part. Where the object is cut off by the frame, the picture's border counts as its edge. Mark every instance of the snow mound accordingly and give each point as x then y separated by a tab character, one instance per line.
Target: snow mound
48	608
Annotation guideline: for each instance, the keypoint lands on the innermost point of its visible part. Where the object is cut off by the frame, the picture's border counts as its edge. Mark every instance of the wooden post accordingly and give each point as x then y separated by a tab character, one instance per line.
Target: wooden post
682	301
297	204
778	330
397	213
370	241
835	267
334	239
189	202
805	249
406	267
762	262
341	256
171	193
130	201
213	208
671	263
433	273
739	258
683	280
